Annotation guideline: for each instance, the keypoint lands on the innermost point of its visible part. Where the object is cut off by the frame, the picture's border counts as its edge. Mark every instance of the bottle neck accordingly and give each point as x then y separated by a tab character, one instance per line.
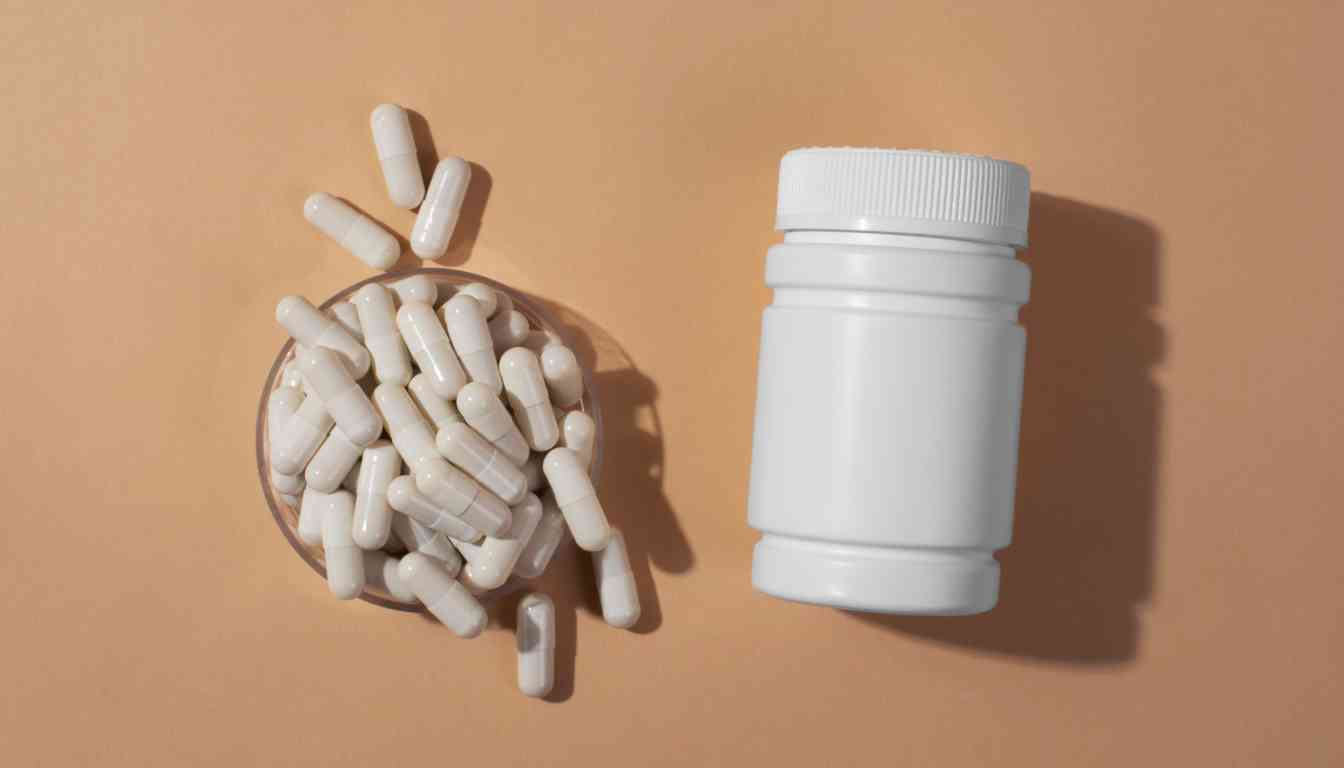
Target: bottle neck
882	239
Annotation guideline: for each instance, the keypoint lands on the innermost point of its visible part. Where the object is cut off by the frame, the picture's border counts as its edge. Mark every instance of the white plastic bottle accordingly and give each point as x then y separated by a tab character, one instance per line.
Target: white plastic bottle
890	382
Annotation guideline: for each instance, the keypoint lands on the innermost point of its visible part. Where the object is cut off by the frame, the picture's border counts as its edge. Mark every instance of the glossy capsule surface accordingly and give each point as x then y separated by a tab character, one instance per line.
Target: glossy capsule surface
440	410
410	433
439	211
508	329
345	561
379	466
428	343
564	377
340	395
418	537
465	320
616	583
300	437
352	230
528	398
483	410
380	572
545	540
454	492
419	288
447	600
490	562
578	432
535	636
310	328
395	144
576	498
486	296
332	462
466	449
378	320
406	498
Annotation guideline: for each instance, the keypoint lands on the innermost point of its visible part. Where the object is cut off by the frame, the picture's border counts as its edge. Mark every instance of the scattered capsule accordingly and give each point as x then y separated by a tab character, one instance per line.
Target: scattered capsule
576	498
490	562
616	583
564	377
578	432
345	313
312	329
421	288
381	573
332	462
536	479
508	328
373	517
410	434
528	399
378	319
454	492
395	143
429	345
300	437
479	458
437	219
341	396
345	561
486	296
465	321
449	601
440	410
354	231
404	497
536	645
545	541
311	508
486	414
418	537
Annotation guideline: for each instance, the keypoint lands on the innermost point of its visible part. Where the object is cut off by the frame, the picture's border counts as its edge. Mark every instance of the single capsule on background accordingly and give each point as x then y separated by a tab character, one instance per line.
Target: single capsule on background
490	562
410	434
449	601
312	505
352	230
528	399
312	329
429	346
378	319
616	583
508	328
332	462
564	377
395	143
342	397
545	541
380	572
373	516
486	296
536	644
576	498
440	410
404	497
452	491
419	288
345	561
479	458
300	437
418	537
536	479
482	409
465	321
578	432
434	225
345	313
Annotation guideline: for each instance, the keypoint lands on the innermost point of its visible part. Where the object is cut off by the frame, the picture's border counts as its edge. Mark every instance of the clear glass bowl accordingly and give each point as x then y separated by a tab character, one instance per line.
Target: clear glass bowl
287	517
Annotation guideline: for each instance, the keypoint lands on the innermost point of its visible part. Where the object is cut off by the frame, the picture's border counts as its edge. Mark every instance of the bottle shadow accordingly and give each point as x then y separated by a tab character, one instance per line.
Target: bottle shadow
1081	562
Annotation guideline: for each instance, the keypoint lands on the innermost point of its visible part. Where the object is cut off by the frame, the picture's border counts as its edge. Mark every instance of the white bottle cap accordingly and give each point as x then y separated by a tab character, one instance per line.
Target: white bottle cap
904	191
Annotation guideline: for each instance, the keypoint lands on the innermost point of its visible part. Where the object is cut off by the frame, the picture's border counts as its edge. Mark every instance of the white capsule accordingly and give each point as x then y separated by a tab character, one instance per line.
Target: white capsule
616	583
373	517
378	319
465	321
351	481
312	506
486	296
544	542
536	479
280	406
536	645
345	313
440	410
291	378
418	537
332	462
525	388
300	437
437	219
490	562
564	377
354	231
410	434
406	498
288	485
380	572
345	561
429	345
486	464
576	498
340	395
454	492
578	432
395	143
421	288
449	601
311	328
508	329
482	409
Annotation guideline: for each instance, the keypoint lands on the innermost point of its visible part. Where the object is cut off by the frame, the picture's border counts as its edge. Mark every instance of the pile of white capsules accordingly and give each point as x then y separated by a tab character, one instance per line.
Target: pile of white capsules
428	441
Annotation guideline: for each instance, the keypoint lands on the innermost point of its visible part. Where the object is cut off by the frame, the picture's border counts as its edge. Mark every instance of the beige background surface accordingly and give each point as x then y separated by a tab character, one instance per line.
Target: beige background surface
1173	595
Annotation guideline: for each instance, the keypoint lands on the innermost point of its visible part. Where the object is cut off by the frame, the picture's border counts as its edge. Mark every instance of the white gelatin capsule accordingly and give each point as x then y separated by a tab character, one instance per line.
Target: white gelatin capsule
395	143
288	485
482	409
345	313
332	462
419	288
380	572
345	561
300	437
465	321
452	491
418	537
351	481
536	480
525	388
410	434
378	319
280	406
487	465
354	231
312	506
578	432
486	296
564	377
404	497
544	542
449	601
616	583
437	219
315	330
429	345
340	395
373	516
290	378
536	645
440	410
576	498
490	562
508	329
